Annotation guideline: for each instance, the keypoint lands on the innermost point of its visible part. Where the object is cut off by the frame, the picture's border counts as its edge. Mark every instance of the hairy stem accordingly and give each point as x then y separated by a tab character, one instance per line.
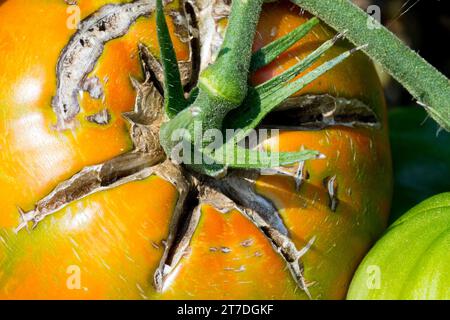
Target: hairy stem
228	76
423	81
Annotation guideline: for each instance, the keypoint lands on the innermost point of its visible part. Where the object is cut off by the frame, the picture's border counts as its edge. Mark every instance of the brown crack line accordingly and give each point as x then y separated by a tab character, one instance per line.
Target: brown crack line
145	121
115	172
309	112
209	195
85	47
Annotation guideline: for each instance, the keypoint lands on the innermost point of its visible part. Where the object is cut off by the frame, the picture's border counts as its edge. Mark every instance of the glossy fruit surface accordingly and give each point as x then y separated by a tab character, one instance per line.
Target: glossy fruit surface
411	261
109	244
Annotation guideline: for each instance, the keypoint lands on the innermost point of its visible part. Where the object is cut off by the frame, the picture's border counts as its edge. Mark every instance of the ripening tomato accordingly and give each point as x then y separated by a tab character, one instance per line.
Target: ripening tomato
110	243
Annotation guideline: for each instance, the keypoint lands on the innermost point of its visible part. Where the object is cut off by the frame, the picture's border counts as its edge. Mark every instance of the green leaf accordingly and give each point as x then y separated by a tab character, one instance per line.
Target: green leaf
267	54
421	159
174	100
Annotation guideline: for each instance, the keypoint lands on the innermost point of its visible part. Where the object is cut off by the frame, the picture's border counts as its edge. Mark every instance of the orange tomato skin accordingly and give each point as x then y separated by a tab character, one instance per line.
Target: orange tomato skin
34	156
108	245
359	158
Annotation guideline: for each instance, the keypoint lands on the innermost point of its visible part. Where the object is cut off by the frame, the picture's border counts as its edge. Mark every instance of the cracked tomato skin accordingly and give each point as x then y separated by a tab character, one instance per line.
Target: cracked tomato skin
108	245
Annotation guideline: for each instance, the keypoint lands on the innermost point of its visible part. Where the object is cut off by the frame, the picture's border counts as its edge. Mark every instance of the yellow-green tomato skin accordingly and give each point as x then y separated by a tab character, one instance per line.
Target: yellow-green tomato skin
412	260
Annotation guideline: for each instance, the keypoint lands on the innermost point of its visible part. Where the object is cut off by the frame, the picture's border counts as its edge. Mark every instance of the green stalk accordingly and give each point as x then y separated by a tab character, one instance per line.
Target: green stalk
423	81
228	76
223	85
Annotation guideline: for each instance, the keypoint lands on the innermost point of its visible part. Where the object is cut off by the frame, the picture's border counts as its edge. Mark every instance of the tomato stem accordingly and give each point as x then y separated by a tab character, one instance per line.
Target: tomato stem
223	90
223	85
227	77
422	80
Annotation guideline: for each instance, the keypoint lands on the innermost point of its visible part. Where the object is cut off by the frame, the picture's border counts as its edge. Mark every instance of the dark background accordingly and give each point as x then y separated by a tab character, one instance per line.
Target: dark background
420	151
425	26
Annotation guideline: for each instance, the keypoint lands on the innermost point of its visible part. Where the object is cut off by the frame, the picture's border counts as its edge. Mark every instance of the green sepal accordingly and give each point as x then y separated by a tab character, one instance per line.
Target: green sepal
270	52
280	80
259	102
242	158
174	100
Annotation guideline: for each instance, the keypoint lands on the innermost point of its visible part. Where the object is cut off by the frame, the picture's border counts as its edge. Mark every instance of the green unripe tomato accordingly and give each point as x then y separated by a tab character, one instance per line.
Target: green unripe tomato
412	259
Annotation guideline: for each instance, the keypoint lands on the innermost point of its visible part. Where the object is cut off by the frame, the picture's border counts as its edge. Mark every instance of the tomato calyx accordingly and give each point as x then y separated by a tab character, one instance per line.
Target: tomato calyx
223	98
